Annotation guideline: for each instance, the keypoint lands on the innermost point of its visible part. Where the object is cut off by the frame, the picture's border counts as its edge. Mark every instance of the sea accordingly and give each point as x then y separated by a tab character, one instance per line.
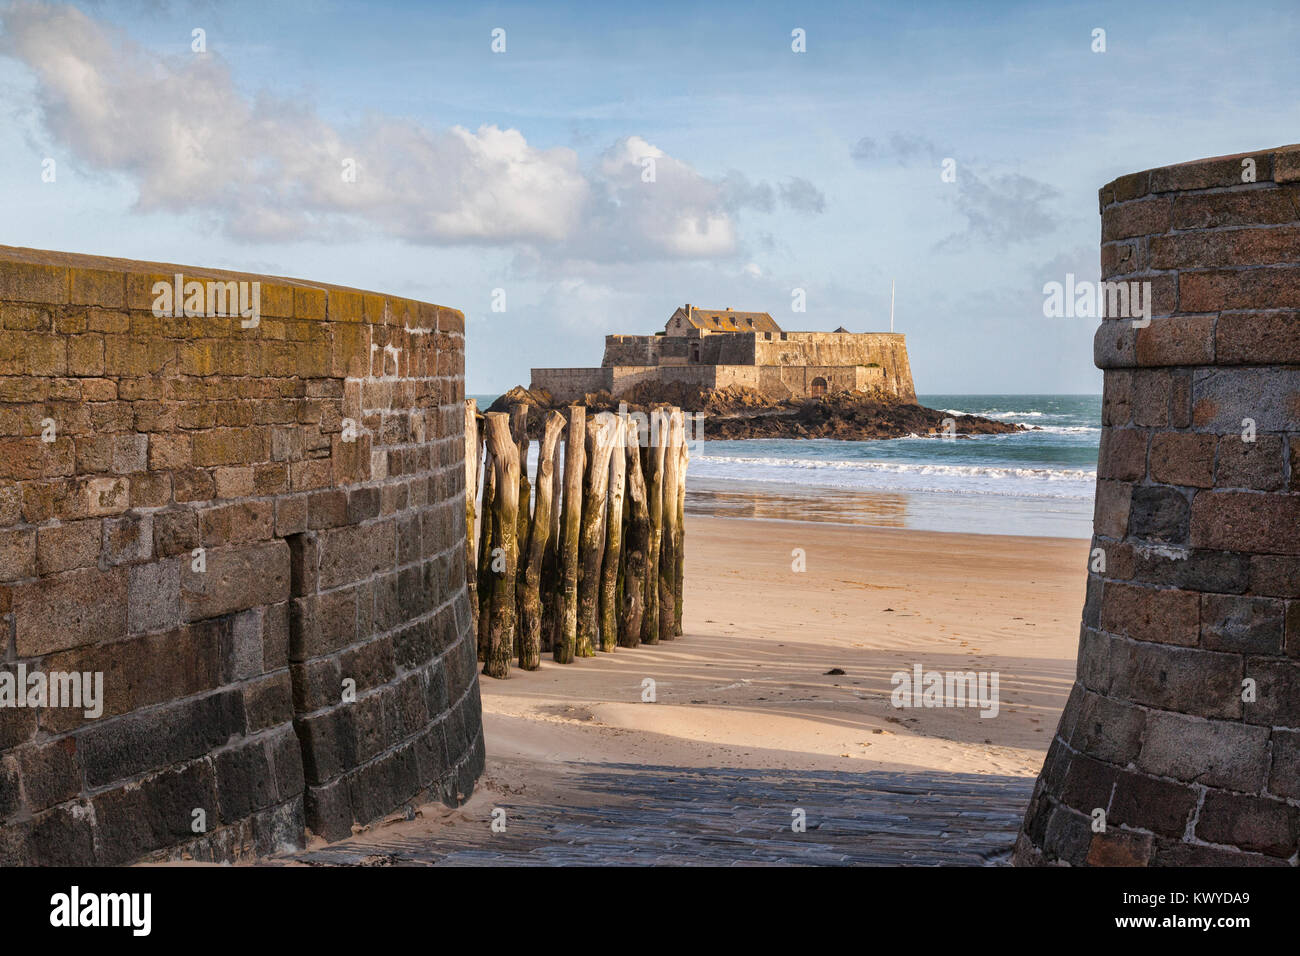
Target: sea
1038	482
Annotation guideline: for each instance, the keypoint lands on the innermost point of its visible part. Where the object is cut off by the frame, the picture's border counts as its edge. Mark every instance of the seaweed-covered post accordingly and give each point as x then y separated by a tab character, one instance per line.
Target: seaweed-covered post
503	545
530	602
471	492
684	459
600	436
636	545
650	630
668	546
612	563
574	436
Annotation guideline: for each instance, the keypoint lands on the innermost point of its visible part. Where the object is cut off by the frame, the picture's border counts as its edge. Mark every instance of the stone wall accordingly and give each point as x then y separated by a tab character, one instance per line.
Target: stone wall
255	535
1183	726
645	350
885	350
796	381
570	383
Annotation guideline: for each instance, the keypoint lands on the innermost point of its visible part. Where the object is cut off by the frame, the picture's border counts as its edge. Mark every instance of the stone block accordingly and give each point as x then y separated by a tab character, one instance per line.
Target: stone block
154	596
122	747
1150	804
1164	616
1242	624
86	606
1184	679
1256	824
235	579
1216	753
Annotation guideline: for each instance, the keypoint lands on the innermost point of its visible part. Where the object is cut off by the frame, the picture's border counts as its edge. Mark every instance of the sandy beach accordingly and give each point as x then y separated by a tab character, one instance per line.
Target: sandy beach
747	685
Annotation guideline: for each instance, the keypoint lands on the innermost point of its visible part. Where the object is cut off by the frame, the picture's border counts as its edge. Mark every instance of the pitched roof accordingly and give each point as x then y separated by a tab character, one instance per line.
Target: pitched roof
726	320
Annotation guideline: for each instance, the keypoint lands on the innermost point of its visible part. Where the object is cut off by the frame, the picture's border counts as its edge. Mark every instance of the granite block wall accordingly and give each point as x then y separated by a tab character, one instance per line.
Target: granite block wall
250	525
1182	732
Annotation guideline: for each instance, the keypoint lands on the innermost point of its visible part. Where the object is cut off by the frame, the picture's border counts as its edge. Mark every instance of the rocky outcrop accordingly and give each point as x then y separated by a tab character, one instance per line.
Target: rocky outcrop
737	412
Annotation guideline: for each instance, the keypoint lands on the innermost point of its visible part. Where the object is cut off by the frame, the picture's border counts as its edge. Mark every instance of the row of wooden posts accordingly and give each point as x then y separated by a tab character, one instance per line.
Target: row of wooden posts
590	562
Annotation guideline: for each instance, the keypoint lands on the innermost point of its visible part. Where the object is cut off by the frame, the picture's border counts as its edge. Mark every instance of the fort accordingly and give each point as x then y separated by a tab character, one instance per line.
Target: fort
718	348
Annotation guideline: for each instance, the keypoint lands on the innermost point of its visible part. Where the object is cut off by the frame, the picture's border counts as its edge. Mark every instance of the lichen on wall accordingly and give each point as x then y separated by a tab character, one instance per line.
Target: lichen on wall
251	527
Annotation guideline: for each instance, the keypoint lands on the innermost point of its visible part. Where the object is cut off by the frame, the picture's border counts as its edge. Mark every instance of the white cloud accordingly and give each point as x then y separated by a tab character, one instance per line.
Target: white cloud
179	128
266	169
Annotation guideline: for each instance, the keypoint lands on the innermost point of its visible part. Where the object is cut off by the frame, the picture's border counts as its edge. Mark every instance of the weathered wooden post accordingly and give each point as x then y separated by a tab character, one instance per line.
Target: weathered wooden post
574	437
504	544
552	586
668	547
684	452
600	435
471	493
484	573
611	565
650	630
530	620
519	433
637	545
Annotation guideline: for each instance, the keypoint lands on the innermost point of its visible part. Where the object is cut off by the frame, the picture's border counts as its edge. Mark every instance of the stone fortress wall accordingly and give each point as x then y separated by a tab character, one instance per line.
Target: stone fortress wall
1182	731
780	365
255	535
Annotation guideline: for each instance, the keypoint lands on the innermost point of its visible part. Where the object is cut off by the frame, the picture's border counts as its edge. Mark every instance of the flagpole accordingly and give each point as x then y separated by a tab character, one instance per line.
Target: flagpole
891	305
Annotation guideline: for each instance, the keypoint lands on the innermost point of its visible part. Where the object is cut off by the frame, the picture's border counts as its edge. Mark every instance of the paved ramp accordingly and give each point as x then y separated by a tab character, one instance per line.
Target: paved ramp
643	815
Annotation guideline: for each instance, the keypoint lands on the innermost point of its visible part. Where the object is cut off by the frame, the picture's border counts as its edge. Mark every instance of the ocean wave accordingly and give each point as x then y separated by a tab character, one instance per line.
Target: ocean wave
957	411
903	468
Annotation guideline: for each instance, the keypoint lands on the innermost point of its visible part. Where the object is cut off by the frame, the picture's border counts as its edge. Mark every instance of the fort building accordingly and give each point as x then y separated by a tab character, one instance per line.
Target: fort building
717	348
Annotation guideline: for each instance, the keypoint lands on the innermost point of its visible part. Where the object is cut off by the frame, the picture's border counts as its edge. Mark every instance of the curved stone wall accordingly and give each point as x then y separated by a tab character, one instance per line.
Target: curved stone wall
1182	733
249	523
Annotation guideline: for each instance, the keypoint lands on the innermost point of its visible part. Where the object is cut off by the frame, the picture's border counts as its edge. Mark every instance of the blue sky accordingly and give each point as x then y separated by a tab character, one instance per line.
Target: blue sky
521	170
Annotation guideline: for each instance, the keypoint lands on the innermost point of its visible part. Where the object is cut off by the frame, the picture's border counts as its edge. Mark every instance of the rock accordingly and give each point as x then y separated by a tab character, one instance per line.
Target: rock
736	412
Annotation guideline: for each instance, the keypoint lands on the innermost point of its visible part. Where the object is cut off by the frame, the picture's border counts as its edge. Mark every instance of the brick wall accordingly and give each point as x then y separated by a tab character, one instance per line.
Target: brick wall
232	525
1199	526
